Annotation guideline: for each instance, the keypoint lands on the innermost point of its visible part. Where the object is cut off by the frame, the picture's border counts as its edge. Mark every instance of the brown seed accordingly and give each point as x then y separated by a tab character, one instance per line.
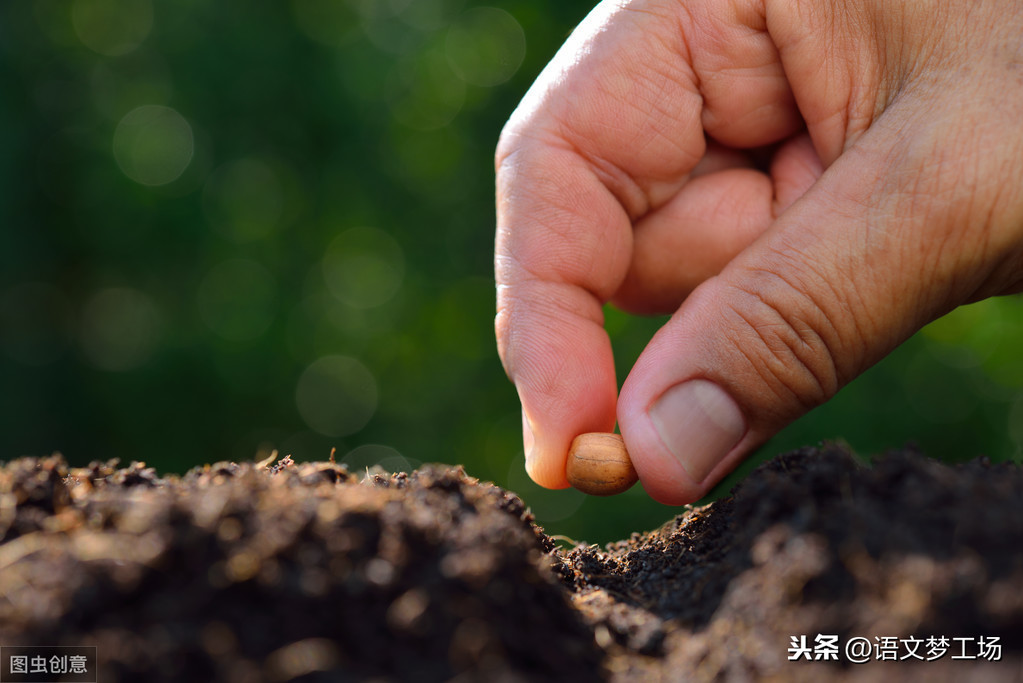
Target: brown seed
599	465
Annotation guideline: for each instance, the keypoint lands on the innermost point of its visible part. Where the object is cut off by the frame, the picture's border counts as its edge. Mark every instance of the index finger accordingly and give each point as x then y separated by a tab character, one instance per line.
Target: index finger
609	131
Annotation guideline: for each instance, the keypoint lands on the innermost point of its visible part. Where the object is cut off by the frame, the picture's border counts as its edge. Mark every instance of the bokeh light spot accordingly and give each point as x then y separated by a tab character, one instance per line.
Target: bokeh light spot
336	395
34	323
112	27
238	299
120	329
244	200
485	46
153	144
363	267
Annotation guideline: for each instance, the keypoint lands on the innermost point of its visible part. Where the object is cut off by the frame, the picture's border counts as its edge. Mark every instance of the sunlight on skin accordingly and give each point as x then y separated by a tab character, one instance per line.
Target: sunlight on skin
864	210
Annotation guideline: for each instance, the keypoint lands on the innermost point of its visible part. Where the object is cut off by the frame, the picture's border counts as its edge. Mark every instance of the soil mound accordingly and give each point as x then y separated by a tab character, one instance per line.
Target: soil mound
250	572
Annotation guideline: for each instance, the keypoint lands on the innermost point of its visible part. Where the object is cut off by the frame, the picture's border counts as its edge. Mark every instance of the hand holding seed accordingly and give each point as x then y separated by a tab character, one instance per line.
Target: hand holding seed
797	214
599	465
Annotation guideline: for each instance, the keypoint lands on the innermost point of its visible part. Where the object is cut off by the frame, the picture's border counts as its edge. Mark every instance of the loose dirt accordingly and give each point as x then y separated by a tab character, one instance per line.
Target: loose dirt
277	572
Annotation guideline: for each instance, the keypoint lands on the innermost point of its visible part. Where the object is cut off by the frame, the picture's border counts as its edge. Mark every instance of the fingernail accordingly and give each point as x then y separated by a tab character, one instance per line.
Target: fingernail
527	438
699	423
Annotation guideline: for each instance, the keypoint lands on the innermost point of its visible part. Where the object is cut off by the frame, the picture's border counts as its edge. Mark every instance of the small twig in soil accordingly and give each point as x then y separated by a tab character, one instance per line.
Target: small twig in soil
283	463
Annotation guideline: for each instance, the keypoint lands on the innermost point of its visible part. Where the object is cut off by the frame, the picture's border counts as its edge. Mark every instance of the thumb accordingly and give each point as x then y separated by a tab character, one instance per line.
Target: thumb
871	253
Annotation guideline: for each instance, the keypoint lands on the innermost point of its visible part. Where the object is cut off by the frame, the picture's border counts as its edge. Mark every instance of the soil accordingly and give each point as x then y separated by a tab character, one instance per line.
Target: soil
277	572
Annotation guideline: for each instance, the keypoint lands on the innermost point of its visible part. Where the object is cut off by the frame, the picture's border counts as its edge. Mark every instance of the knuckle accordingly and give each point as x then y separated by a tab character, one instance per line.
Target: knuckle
787	340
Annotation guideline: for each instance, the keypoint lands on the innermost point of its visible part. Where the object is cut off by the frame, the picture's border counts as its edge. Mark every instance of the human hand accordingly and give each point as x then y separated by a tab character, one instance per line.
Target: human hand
805	184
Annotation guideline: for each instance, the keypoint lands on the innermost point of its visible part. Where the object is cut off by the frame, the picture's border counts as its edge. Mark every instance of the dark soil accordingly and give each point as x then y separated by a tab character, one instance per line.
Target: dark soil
245	572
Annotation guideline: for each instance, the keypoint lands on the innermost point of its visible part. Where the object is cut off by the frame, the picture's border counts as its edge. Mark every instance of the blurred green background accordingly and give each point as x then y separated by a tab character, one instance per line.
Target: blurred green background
228	228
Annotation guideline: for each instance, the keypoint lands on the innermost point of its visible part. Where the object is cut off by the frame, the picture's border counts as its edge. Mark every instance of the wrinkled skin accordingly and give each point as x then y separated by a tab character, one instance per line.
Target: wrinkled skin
803	184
